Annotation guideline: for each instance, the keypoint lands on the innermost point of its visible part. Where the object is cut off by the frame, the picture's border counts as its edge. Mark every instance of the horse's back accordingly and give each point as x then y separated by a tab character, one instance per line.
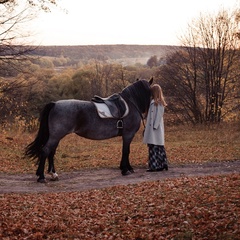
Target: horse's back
80	117
70	108
65	115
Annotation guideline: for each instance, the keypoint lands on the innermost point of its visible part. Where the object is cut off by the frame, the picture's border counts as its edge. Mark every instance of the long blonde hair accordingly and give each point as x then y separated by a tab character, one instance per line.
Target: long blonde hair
157	95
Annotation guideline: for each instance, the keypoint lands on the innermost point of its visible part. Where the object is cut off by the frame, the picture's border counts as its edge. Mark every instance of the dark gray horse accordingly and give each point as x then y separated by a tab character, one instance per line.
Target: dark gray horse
81	117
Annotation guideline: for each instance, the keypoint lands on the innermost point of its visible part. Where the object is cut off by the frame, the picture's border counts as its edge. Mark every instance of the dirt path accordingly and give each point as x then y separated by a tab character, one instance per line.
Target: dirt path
100	178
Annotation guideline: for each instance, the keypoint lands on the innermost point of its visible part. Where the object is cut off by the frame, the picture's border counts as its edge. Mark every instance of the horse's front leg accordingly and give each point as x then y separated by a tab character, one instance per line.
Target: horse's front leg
125	166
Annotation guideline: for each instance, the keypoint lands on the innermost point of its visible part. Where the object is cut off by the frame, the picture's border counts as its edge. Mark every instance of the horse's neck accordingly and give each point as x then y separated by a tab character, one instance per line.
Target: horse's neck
128	97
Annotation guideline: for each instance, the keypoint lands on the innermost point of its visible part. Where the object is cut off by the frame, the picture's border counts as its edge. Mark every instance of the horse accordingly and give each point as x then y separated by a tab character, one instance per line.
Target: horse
63	117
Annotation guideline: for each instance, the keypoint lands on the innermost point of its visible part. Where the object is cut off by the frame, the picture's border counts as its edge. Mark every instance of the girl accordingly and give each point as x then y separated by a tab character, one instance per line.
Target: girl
154	132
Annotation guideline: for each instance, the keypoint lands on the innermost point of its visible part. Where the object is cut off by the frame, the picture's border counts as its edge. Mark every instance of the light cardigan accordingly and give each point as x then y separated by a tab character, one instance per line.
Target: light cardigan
154	131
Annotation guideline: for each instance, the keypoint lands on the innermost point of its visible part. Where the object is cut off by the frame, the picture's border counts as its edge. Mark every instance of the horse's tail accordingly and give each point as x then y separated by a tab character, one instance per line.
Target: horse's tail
34	149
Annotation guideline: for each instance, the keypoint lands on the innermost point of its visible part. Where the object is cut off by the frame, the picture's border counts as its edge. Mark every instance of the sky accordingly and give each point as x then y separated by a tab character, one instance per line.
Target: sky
143	22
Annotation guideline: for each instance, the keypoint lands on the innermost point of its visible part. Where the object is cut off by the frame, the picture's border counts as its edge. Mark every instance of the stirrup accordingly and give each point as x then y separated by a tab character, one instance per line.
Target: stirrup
120	123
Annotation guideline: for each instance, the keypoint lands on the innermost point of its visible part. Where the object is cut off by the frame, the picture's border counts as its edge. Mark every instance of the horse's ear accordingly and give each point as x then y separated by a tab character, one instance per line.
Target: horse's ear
151	81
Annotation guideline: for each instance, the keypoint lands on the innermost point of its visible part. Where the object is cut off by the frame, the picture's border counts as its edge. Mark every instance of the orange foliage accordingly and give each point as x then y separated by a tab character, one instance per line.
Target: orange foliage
184	208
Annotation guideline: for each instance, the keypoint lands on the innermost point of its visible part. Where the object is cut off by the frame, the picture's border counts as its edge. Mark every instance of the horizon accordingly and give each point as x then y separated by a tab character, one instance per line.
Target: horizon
118	44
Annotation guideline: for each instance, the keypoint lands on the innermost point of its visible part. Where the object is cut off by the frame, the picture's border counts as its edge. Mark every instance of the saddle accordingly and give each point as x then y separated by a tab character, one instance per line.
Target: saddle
115	103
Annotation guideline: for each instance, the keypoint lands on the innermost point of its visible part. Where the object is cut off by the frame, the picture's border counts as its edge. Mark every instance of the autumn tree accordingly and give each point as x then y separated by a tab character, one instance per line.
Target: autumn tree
203	75
152	61
14	14
14	48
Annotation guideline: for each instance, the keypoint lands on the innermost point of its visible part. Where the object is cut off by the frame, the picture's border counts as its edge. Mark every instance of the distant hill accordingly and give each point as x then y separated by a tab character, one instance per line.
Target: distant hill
105	52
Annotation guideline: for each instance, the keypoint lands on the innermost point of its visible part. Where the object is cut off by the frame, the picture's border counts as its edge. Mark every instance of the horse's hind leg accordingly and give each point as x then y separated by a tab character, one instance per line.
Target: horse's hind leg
40	170
48	151
51	168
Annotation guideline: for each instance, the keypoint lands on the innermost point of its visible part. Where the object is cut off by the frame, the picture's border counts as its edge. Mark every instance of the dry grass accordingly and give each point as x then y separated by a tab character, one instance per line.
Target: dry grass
202	144
182	208
184	144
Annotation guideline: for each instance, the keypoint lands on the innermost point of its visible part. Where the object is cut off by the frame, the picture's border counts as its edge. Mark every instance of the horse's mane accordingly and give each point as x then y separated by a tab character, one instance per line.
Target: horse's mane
139	93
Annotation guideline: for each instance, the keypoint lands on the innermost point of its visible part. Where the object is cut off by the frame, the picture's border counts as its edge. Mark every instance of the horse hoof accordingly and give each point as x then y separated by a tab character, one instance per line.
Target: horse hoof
125	173
41	180
54	179
54	176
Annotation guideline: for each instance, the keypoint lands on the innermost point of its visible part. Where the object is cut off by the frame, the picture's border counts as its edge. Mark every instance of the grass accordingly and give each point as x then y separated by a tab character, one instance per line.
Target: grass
184	144
181	208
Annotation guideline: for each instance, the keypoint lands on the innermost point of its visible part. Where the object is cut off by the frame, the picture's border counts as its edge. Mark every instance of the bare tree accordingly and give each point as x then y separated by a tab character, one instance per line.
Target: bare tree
14	48
206	66
14	14
179	80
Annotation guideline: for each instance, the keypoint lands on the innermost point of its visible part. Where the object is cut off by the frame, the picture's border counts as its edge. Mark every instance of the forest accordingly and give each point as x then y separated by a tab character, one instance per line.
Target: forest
200	78
103	52
54	73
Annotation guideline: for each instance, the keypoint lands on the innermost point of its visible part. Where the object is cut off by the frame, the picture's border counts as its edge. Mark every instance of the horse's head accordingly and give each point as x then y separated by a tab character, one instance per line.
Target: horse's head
140	93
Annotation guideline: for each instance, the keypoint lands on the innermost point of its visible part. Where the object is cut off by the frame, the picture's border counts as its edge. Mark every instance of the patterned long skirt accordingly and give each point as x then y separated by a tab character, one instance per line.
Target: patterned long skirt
157	157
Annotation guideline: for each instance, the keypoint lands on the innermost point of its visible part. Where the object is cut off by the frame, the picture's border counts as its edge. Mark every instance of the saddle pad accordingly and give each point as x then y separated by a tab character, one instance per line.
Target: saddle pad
104	112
